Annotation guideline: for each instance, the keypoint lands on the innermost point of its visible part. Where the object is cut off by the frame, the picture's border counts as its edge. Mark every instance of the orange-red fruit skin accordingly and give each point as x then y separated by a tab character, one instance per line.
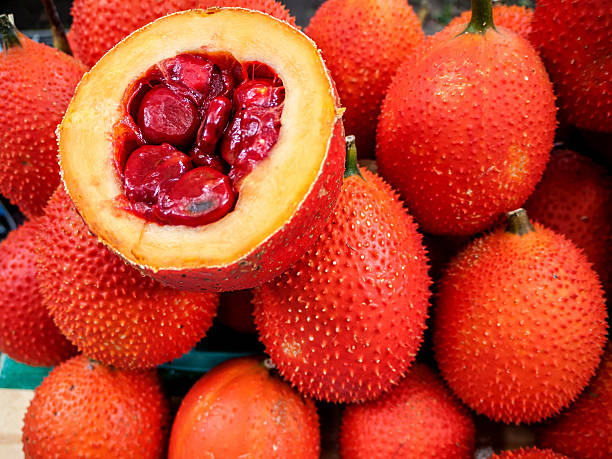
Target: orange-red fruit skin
584	430
573	38
27	332
345	322
466	129
84	409
520	325
574	198
271	7
108	309
529	453
37	82
239	410
512	17
417	418
363	44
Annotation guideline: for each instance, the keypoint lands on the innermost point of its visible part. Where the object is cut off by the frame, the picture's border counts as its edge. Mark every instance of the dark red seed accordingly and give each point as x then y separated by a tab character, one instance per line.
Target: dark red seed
205	159
258	93
191	71
203	195
212	127
167	117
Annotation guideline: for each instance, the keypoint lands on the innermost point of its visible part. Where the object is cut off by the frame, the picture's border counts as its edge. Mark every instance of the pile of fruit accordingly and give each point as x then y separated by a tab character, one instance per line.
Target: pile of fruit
182	161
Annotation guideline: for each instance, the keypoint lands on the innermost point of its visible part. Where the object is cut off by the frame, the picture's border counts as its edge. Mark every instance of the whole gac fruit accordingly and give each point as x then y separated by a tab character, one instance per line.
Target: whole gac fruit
363	44
345	322
467	126
529	453
417	418
512	17
573	37
84	409
27	332
239	409
574	198
585	429
108	309
37	83
520	323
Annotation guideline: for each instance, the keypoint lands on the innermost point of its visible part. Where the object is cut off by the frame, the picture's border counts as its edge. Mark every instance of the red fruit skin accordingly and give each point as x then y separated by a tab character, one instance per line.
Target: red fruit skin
417	418
529	453
344	323
512	17
585	429
239	410
108	309
37	85
573	38
84	409
363	44
574	198
271	7
466	129
27	332
236	310
520	325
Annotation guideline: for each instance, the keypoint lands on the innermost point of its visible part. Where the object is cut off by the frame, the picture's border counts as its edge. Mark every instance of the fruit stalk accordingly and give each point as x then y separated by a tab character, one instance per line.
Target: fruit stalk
57	28
518	222
351	167
482	17
8	32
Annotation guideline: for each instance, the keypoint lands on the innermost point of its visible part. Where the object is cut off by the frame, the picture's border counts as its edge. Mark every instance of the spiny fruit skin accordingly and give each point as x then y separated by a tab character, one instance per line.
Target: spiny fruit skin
27	332
108	309
573	37
239	410
466	129
585	429
513	17
84	409
37	82
574	198
417	418
363	43
529	453
345	322
520	324
271	7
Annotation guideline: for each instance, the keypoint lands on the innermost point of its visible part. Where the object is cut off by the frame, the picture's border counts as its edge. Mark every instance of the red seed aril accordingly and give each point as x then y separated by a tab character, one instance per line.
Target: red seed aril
211	129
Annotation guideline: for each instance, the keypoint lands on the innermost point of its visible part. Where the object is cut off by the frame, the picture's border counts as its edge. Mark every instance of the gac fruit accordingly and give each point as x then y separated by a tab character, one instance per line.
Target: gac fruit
344	323
512	17
84	409
520	323
467	126
214	161
108	309
363	44
529	453
37	84
417	418
240	409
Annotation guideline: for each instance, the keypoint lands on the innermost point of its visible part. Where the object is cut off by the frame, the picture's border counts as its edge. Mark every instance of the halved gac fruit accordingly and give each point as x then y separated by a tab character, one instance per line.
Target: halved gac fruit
206	148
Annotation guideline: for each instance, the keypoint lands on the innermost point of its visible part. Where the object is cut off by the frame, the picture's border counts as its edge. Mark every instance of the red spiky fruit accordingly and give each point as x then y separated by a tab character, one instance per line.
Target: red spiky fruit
573	37
36	84
529	453
574	198
108	309
271	7
27	332
363	44
585	429
84	409
467	126
513	17
274	421
236	310
417	418
345	322
520	323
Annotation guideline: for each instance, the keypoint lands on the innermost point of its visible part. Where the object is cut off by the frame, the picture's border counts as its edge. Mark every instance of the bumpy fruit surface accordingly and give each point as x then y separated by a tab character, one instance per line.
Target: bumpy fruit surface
574	198
573	37
466	128
109	310
363	44
345	322
417	418
240	410
585	429
529	453
520	323
27	332
513	17
37	83
84	409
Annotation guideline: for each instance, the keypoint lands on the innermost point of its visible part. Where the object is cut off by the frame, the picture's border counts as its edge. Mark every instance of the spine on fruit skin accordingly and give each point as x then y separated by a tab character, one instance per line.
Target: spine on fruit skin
482	17
350	166
518	223
8	32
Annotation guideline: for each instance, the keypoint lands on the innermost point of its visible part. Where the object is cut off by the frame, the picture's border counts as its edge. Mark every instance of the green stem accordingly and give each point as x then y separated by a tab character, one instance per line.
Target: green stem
8	32
482	17
57	28
350	166
518	223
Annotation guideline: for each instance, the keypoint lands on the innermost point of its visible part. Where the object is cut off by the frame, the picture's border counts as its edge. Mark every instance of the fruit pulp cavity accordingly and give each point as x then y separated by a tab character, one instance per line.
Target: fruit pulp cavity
193	127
